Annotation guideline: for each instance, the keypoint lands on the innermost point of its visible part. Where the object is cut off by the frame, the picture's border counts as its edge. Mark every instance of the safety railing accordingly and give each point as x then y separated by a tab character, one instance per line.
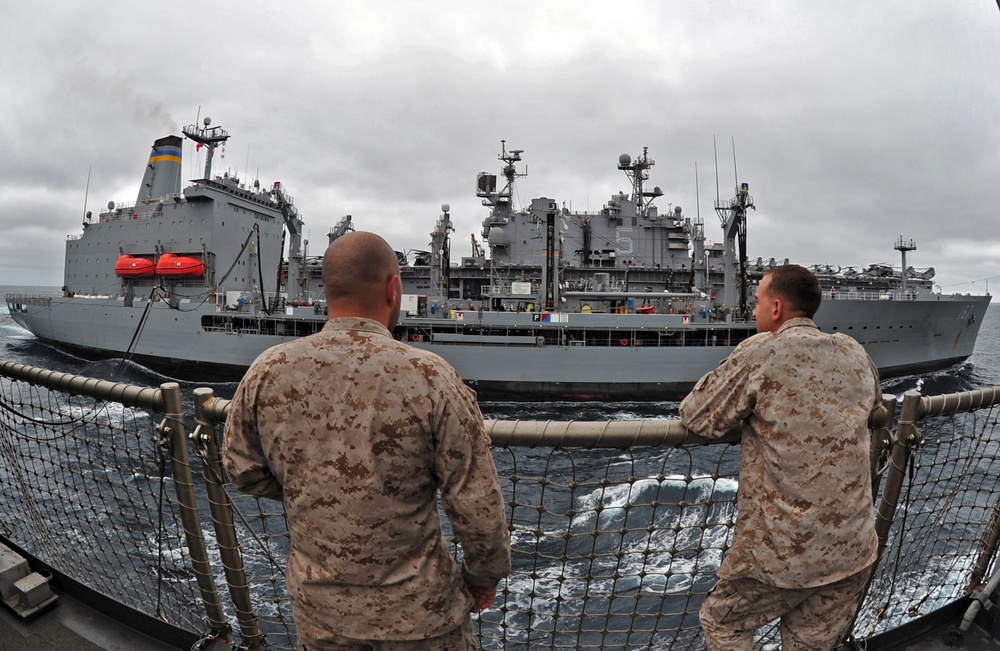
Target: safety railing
617	527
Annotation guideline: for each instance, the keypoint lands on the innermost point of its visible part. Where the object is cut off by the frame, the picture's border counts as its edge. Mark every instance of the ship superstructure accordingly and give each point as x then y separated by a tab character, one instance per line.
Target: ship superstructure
625	303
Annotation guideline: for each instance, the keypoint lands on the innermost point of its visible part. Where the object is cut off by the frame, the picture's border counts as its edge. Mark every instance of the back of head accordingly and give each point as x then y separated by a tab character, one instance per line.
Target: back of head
797	287
356	268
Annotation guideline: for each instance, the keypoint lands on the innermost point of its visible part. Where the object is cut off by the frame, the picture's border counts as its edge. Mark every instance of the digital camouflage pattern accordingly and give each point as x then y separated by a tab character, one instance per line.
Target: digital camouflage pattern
803	397
812	619
357	433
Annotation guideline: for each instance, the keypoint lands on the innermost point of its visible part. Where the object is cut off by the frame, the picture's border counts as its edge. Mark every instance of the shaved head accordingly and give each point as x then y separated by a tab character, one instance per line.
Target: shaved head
360	273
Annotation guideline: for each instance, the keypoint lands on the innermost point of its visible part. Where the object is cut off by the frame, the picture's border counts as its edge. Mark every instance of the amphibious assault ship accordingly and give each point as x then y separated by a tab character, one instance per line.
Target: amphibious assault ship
622	304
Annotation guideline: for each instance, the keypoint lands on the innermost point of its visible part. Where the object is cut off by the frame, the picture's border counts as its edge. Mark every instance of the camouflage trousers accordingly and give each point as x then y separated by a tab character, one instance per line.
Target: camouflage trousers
812	619
460	639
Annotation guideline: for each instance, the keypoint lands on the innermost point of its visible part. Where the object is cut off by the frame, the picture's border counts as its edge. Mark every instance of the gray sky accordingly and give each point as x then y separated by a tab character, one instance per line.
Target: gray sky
854	123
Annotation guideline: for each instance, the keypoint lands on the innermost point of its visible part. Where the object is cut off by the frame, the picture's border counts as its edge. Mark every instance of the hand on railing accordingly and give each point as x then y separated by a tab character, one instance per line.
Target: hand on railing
483	597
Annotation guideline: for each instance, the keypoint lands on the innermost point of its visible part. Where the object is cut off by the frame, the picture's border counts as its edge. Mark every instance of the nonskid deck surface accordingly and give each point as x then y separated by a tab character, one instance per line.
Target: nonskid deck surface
938	631
977	639
71	625
84	619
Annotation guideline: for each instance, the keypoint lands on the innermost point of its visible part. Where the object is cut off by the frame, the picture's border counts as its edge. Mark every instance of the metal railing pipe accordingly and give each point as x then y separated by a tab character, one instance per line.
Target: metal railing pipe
596	434
173	430
953	403
127	394
206	438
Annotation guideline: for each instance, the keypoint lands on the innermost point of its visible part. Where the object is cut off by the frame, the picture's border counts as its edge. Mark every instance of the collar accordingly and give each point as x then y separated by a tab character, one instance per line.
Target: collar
797	322
356	323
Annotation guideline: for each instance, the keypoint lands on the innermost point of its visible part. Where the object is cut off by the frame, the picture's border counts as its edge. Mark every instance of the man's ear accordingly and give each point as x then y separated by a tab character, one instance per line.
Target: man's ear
393	287
778	311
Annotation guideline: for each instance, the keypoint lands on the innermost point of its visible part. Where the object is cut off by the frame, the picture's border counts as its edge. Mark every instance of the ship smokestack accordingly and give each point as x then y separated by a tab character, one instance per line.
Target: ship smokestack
163	171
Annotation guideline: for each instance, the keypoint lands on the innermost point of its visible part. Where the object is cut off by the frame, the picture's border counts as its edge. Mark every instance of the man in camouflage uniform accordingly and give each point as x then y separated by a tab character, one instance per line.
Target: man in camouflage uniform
358	433
805	534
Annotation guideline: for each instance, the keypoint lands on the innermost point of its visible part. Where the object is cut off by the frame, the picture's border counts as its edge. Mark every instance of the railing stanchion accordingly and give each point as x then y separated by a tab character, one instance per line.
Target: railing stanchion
206	437
881	442
172	428
907	438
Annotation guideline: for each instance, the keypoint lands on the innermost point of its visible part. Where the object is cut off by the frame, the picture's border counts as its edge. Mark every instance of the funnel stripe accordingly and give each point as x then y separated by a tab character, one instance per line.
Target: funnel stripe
170	154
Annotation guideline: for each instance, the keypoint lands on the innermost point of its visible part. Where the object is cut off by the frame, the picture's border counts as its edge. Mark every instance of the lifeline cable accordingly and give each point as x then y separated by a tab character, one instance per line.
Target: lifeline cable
130	351
260	277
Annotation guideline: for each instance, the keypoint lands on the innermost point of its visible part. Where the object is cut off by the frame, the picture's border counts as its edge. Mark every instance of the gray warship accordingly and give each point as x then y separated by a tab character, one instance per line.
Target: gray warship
624	303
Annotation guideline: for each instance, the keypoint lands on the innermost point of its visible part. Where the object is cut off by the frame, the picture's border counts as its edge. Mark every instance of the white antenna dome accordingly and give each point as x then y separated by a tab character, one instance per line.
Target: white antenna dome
445	207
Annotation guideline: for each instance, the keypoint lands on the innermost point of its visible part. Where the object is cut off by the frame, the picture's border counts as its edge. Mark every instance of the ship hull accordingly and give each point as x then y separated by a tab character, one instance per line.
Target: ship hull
901	337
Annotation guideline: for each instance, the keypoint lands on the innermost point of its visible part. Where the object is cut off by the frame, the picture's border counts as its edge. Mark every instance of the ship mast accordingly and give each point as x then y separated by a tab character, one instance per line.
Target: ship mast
509	171
904	246
500	204
638	172
486	183
207	137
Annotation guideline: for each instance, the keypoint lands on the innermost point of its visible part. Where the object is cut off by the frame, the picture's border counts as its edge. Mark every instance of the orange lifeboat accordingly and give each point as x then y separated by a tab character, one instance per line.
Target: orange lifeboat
131	267
178	266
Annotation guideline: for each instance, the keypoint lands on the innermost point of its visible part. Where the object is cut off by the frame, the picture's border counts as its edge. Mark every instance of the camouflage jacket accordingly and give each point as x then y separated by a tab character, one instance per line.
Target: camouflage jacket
358	433
805	498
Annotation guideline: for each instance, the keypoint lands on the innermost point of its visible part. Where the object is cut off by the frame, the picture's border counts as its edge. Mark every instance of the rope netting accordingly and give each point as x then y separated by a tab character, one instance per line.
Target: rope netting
947	510
612	549
617	528
87	488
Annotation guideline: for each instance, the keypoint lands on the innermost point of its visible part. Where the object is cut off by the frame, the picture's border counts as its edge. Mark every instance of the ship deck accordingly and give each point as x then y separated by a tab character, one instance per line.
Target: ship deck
72	624
938	631
83	619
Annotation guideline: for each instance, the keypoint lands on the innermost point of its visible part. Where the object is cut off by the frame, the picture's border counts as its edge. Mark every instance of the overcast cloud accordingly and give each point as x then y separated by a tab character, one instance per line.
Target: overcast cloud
854	123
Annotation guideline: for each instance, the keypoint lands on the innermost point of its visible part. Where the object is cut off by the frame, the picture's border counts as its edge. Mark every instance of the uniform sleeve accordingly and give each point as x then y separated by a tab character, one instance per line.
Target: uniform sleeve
243	455
878	385
470	489
722	398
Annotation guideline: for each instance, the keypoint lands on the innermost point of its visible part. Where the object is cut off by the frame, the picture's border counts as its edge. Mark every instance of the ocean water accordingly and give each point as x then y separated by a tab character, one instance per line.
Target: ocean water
18	345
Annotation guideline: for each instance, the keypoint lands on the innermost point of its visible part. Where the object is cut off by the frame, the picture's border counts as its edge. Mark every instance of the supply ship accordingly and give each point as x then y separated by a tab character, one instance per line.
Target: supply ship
624	303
